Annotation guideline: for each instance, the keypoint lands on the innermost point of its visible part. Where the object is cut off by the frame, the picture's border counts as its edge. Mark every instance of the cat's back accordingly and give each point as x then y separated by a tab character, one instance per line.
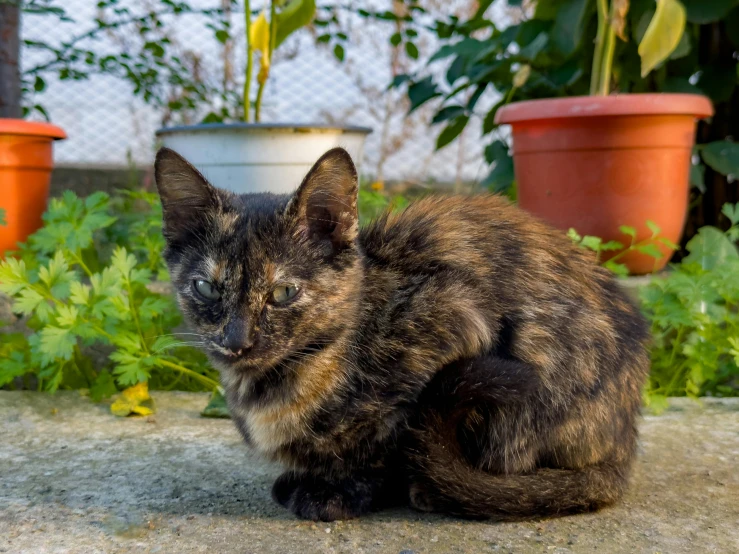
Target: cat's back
482	232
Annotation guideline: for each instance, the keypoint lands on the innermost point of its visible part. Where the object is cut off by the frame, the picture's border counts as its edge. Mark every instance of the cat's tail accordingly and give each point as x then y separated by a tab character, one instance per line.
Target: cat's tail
450	484
443	479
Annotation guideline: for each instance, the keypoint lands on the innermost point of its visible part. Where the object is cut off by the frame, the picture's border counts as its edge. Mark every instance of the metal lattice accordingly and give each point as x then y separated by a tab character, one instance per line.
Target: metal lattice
107	125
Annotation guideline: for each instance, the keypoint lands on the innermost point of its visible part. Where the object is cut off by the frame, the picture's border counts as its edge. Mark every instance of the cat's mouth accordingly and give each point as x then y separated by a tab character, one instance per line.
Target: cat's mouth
257	361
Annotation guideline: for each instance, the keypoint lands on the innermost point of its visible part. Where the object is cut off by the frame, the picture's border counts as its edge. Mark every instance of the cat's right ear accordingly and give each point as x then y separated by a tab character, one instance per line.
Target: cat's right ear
187	197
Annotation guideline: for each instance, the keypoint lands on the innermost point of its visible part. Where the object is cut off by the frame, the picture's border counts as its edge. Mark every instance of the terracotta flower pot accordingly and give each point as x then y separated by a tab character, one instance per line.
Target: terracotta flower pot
25	172
596	163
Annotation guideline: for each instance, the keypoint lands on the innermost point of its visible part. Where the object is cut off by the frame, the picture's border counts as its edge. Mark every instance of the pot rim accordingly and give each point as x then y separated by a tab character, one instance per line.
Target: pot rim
287	127
22	127
602	106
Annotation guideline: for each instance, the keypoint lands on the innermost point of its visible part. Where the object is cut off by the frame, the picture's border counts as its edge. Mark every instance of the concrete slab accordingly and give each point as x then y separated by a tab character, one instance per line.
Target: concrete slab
75	479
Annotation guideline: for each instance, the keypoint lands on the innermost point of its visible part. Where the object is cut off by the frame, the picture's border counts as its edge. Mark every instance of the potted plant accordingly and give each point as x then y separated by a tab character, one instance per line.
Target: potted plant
25	147
252	156
597	163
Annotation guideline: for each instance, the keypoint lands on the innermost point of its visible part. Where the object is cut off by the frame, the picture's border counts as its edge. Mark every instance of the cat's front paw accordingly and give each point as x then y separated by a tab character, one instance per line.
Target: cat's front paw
312	497
421	498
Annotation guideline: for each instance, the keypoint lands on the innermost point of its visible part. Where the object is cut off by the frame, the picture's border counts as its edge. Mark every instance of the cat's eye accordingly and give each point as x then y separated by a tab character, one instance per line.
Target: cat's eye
284	293
207	290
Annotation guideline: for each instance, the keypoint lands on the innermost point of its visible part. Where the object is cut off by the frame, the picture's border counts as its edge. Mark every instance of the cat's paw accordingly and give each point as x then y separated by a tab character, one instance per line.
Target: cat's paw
315	498
420	498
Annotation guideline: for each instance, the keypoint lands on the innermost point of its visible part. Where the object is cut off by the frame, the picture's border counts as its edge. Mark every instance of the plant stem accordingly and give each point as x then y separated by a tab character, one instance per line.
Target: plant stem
258	104
268	54
249	61
608	50
135	314
603	56
202	378
78	258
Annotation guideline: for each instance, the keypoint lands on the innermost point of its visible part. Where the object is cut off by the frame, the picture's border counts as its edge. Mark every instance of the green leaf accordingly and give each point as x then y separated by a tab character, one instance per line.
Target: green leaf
535	47
697	176
650	250
723	156
27	301
421	92
293	16
448	112
13	276
131	368
569	25
710	248
683	48
56	344
488	124
103	387
731	211
216	406
123	262
67	316
611	245
79	293
13	365
396	39
618	269
627	230
412	50
163	344
502	176
707	11
452	131
339	52
56	276
592	243
662	35
653	227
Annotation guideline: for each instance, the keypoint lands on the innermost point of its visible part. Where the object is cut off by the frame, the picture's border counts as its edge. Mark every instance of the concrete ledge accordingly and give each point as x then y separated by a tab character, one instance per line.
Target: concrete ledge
75	479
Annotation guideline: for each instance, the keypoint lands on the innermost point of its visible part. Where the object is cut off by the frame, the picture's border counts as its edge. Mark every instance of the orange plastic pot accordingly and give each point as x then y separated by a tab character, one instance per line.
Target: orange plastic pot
25	172
597	163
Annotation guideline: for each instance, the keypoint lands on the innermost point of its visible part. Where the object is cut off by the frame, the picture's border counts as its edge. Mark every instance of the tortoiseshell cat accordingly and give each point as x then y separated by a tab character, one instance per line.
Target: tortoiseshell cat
460	356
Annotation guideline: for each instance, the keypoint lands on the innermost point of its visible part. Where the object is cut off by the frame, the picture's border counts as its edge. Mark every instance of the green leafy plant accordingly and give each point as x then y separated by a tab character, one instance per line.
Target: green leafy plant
84	287
602	248
373	203
694	316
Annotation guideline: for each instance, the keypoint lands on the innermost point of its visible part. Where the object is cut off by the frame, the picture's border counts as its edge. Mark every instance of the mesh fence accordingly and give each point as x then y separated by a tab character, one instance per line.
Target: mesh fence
108	125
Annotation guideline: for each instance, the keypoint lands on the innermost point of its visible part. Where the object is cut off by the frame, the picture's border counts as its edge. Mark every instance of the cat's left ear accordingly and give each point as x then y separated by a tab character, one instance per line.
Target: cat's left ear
325	205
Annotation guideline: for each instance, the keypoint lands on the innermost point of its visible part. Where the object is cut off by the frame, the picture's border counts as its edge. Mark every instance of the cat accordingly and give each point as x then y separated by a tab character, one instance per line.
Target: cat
459	356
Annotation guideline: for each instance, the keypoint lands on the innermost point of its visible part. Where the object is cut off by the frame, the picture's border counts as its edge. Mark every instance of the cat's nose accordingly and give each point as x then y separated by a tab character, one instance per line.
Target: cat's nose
238	338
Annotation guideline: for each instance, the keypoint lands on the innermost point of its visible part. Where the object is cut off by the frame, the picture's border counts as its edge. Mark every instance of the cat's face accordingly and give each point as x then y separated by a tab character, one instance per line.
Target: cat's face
262	278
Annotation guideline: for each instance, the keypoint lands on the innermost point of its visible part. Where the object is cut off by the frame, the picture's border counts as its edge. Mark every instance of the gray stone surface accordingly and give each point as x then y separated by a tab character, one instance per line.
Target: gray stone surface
75	479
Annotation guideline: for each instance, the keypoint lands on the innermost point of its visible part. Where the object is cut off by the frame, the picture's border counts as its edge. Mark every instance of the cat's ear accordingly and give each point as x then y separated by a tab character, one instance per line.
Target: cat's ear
188	200
325	205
